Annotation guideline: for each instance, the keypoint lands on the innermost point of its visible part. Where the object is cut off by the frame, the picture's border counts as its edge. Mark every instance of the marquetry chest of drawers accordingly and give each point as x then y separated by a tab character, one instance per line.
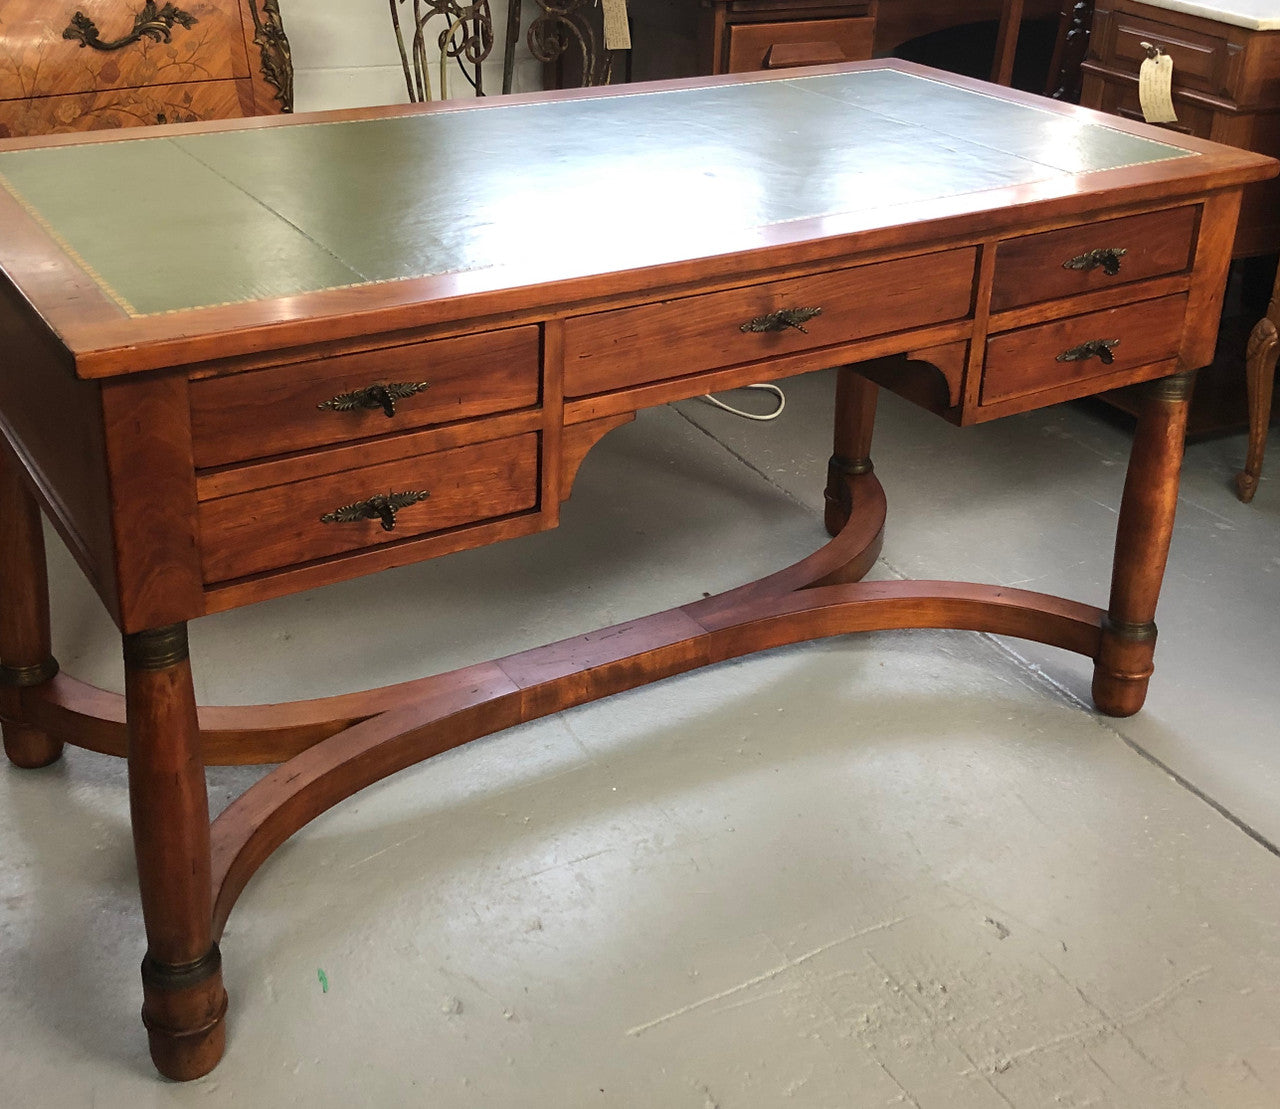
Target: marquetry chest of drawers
81	65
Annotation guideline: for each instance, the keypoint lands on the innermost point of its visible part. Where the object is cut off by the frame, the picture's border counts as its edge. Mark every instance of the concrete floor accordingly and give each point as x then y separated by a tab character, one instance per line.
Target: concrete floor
903	869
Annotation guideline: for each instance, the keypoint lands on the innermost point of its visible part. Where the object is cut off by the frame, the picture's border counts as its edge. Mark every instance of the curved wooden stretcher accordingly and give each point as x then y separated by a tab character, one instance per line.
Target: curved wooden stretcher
227	420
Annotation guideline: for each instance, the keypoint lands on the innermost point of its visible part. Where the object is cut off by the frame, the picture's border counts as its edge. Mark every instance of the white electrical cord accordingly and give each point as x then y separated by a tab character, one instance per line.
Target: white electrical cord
782	403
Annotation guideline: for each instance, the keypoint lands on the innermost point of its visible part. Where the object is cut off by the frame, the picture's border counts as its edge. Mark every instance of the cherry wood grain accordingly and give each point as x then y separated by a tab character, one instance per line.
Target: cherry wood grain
1034	267
1124	662
279	410
587	668
184	1003
147	432
282	525
1027	361
611	350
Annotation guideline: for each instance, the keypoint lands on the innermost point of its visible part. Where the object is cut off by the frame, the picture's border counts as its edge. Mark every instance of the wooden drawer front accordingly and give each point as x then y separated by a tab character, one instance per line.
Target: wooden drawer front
632	346
39	61
93	111
1026	361
279	526
1201	59
1034	268
797	9
1119	97
275	411
749	43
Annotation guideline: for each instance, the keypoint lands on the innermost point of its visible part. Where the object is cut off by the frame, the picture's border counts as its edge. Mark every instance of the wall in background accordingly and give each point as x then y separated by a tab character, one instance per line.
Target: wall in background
345	55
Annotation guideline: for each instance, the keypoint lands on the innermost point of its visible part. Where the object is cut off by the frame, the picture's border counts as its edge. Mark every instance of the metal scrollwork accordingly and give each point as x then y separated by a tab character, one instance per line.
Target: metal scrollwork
782	319
151	22
467	39
273	47
375	396
563	24
1106	257
383	506
1095	348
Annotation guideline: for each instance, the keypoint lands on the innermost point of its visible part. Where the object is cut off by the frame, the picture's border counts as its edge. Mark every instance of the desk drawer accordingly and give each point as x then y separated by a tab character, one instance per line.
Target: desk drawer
749	44
1040	267
279	526
1026	361
275	411
675	338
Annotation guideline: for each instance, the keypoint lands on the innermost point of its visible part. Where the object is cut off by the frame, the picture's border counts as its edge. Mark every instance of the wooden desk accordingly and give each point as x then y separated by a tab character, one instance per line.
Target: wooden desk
344	343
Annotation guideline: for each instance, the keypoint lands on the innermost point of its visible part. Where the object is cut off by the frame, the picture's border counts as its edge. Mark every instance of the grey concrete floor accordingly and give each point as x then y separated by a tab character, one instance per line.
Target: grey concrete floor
910	869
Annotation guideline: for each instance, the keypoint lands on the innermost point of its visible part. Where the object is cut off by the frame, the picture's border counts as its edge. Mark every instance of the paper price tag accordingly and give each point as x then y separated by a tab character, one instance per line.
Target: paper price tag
1155	89
617	34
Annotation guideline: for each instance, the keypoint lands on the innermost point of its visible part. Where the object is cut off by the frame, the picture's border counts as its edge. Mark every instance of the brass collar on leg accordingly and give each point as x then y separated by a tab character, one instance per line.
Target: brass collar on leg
23	677
156	648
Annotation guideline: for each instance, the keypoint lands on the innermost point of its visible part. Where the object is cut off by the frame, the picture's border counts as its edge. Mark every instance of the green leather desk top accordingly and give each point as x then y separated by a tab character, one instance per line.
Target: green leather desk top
560	188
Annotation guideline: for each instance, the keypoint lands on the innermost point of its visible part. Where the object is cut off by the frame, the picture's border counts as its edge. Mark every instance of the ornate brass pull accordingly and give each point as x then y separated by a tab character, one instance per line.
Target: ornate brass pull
375	396
382	507
1107	257
1095	348
152	22
782	319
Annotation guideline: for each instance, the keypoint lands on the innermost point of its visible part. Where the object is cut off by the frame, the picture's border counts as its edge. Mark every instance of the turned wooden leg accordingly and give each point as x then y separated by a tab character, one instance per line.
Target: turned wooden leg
851	456
25	656
1260	375
1123	666
184	1003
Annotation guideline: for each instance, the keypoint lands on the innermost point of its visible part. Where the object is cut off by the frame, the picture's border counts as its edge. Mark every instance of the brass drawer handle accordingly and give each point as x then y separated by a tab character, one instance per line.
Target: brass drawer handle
1106	257
151	22
375	396
1095	348
782	319
382	507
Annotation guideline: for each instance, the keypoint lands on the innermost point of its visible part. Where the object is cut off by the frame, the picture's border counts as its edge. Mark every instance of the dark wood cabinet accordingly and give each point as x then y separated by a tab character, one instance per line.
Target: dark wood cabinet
1226	87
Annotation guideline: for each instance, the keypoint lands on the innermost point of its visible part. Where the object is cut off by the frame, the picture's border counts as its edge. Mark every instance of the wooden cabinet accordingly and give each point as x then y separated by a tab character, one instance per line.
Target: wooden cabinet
741	35
81	65
1226	87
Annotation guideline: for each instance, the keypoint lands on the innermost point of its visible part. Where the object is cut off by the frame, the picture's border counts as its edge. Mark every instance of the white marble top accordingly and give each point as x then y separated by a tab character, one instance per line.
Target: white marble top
1257	15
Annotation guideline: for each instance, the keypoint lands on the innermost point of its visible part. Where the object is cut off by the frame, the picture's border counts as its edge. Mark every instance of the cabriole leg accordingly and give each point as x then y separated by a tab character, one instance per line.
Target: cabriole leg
25	656
1260	375
184	1003
1124	663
